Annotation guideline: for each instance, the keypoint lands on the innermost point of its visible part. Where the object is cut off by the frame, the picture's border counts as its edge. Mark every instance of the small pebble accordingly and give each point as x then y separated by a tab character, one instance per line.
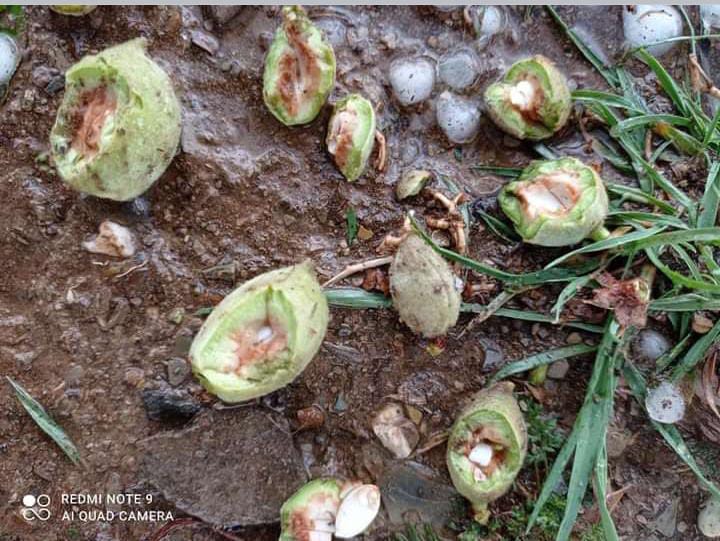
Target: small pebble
134	376
558	369
177	371
574	338
169	405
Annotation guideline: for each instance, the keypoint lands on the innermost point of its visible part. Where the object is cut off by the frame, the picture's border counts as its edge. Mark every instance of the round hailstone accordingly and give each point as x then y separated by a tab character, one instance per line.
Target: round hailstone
412	79
710	16
665	403
357	511
481	455
9	58
458	69
649	345
645	24
709	519
458	117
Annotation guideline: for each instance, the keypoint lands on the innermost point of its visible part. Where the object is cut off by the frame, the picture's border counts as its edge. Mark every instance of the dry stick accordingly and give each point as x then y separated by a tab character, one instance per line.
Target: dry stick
708	391
358	267
382	151
700	80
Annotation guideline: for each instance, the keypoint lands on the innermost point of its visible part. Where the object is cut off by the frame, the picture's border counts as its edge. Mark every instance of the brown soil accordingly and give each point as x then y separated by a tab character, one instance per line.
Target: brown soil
85	334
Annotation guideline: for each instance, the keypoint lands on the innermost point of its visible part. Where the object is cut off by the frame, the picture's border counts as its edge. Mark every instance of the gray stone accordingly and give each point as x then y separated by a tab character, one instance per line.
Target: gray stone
558	369
230	468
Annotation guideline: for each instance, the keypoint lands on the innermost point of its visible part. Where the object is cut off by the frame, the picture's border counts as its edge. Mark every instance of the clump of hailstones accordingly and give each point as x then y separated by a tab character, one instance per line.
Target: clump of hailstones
299	69
327	508
262	335
487	447
556	203
351	135
118	127
532	101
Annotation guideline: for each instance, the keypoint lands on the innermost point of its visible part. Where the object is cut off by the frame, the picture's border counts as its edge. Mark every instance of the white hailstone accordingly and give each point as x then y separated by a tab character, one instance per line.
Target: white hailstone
645	24
458	117
412	79
9	58
493	22
357	510
458	69
112	239
709	519
710	16
665	403
481	454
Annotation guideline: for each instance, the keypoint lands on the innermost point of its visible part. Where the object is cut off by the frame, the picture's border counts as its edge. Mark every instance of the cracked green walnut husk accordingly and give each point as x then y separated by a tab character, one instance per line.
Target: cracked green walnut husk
487	447
299	69
532	101
262	335
329	507
74	10
351	135
423	288
118	126
557	203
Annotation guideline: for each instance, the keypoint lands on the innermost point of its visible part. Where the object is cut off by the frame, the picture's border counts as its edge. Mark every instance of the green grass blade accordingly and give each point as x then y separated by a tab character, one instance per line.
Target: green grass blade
668	84
607	99
351	225
647	120
711	197
696	353
511	172
608	73
526	315
568	292
540	359
678	279
500	228
638	196
688	302
601	480
45	422
701	234
591	426
636	217
354	297
612	243
519	280
554	477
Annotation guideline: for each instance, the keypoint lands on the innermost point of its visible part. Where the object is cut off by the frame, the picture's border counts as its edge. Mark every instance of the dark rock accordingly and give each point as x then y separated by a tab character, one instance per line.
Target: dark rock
230	468
412	492
169	405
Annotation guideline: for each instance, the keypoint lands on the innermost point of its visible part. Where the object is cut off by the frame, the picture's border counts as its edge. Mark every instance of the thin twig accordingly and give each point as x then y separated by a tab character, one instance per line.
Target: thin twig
131	269
358	267
382	151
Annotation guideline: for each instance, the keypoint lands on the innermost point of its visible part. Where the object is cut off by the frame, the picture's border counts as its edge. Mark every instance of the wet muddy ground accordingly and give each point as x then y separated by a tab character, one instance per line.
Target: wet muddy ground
92	337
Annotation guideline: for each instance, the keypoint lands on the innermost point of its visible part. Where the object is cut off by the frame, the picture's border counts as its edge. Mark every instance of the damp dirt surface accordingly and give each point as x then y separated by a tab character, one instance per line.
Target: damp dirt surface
103	342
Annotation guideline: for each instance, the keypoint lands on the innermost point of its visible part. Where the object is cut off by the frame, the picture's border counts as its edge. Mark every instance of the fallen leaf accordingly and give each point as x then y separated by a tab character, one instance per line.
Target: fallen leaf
627	298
